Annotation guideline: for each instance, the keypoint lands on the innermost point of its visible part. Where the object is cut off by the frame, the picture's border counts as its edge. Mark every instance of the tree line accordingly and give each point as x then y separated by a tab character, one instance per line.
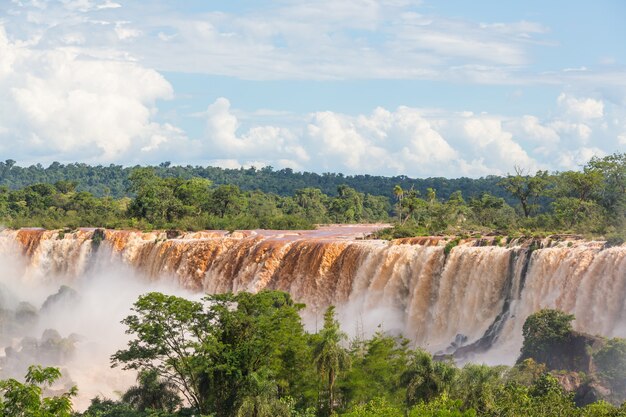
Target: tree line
114	180
591	201
187	204
248	355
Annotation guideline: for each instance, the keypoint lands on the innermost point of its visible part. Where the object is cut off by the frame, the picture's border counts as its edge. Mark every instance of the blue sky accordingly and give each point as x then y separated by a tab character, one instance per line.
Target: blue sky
419	88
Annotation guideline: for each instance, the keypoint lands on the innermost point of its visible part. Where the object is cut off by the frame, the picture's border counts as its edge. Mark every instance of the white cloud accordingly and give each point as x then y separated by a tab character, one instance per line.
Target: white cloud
57	104
125	32
322	39
581	108
533	129
493	142
401	142
575	159
224	140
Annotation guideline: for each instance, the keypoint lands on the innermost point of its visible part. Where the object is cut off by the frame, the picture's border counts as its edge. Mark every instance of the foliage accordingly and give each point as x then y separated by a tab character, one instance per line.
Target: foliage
226	353
377	407
27	399
152	393
611	363
240	355
330	357
526	188
542	331
441	406
426	379
591	201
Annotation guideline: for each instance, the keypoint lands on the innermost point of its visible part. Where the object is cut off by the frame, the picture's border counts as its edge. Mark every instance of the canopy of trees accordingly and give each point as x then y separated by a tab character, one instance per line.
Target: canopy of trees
236	355
591	201
233	355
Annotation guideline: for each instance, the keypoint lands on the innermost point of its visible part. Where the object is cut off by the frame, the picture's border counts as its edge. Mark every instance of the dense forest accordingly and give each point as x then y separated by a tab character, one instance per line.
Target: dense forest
591	201
248	355
114	180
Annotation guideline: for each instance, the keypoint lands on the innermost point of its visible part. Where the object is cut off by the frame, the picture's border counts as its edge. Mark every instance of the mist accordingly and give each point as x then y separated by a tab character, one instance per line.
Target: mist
70	319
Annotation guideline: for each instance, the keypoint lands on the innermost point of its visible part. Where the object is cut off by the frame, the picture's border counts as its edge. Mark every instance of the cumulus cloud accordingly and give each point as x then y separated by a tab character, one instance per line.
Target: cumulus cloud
404	141
79	81
58	104
224	139
581	108
412	141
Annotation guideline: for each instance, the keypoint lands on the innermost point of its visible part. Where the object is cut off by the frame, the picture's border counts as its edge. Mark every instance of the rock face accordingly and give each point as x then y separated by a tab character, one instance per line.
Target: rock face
571	362
586	389
575	353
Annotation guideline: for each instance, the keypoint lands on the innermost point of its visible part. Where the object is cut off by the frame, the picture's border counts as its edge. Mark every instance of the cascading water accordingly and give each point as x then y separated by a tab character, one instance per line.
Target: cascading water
470	301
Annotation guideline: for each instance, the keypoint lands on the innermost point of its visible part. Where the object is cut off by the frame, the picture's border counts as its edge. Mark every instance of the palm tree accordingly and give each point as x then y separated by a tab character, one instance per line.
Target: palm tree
477	386
152	393
426	379
329	356
261	398
399	193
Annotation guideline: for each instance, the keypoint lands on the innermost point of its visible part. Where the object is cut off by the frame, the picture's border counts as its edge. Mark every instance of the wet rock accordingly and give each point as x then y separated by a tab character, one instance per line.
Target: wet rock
66	296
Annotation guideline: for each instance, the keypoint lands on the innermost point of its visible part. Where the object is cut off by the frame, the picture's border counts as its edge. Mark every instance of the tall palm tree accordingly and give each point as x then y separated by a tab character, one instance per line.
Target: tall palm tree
260	399
330	357
399	193
425	378
152	392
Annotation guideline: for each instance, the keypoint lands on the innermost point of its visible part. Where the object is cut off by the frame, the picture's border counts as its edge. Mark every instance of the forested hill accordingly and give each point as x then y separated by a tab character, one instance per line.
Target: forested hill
113	180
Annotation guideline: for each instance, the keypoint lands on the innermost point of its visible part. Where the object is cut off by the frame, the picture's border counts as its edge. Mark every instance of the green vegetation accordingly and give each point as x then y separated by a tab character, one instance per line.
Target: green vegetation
240	355
175	203
591	202
26	399
543	331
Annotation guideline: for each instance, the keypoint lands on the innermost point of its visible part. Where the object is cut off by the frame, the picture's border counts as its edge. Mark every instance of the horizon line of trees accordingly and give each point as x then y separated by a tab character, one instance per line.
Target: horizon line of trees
114	180
591	201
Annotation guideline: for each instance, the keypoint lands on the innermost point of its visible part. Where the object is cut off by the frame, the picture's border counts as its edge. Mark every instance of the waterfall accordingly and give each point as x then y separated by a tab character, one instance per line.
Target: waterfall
471	301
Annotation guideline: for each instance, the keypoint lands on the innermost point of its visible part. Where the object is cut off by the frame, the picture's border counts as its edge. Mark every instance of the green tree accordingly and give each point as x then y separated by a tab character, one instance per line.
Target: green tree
170	334
19	399
425	379
398	192
542	331
154	200
226	352
260	398
313	203
490	211
152	393
227	200
611	363
377	364
526	189
194	194
347	207
442	406
330	357
477	387
377	407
